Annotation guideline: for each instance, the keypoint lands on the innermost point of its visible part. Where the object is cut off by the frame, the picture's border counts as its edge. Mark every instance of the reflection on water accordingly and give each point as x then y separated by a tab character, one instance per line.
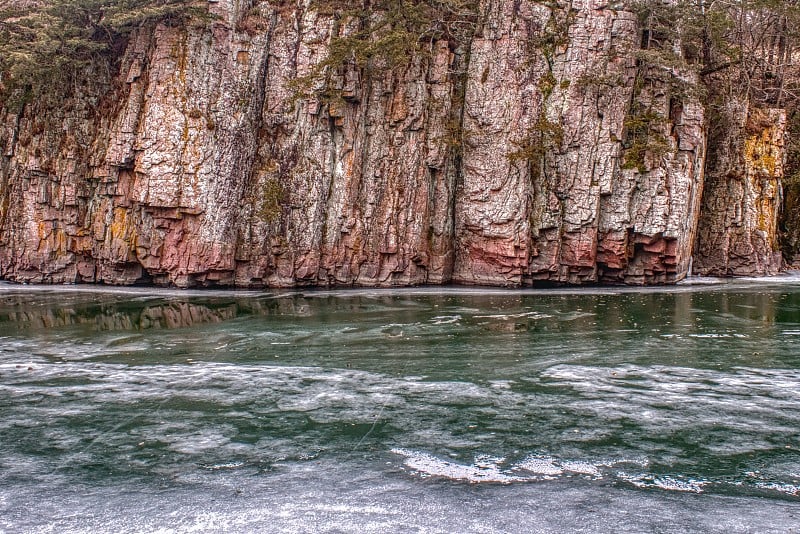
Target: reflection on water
498	311
687	391
106	318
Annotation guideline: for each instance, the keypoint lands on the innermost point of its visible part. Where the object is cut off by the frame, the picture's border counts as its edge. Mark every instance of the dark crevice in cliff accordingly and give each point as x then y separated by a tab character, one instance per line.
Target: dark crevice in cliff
790	213
461	64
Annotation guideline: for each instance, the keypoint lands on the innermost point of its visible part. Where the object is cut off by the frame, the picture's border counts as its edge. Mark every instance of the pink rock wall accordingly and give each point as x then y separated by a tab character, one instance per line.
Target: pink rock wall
496	161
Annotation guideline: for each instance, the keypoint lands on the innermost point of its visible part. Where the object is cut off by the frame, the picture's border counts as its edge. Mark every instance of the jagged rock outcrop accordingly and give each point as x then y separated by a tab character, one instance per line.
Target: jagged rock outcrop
514	157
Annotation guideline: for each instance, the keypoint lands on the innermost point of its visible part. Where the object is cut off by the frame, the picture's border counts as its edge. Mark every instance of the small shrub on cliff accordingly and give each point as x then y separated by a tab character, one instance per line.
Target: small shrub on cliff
643	138
544	137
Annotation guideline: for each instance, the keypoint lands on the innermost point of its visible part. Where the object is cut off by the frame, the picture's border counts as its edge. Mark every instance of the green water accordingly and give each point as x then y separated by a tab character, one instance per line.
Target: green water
401	410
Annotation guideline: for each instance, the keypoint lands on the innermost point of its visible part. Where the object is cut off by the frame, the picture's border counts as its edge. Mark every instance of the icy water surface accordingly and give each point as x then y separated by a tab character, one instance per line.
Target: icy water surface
432	410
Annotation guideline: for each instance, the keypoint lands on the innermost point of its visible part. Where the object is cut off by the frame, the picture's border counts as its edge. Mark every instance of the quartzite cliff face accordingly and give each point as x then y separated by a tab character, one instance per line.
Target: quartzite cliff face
490	161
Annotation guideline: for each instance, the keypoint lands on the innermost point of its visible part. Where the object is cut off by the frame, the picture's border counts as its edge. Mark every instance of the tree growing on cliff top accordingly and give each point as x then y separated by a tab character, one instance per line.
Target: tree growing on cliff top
44	41
376	36
747	47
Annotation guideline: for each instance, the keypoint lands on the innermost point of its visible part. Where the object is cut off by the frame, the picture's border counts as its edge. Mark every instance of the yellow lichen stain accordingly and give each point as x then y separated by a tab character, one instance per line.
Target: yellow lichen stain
763	155
759	153
118	224
53	240
41	231
122	228
763	149
766	215
60	240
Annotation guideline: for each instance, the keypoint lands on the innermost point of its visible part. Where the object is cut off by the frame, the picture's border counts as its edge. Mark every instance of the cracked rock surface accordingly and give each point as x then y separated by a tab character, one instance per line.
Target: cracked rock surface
494	161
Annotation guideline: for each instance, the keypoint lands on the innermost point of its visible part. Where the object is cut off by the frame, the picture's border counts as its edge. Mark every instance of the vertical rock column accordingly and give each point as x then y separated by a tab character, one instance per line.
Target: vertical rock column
649	223
194	149
742	201
144	182
353	183
503	100
545	194
593	79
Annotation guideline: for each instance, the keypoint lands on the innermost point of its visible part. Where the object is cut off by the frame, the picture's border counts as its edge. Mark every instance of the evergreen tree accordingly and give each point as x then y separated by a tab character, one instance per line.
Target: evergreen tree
44	43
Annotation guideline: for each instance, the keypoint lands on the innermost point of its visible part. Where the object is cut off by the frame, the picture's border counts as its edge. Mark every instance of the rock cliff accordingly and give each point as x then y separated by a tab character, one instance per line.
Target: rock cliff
540	148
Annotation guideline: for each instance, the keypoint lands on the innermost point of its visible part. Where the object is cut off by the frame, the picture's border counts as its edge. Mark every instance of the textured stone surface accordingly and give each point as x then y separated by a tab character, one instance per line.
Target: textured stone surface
494	161
738	225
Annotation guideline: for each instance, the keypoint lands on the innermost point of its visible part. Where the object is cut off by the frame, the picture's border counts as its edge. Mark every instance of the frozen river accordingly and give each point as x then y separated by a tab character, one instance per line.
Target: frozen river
427	410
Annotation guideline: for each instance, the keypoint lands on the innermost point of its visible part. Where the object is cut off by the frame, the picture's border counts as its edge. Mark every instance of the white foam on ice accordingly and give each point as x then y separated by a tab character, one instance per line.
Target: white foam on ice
487	468
446	319
669	483
541	465
429	465
506	316
788	489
